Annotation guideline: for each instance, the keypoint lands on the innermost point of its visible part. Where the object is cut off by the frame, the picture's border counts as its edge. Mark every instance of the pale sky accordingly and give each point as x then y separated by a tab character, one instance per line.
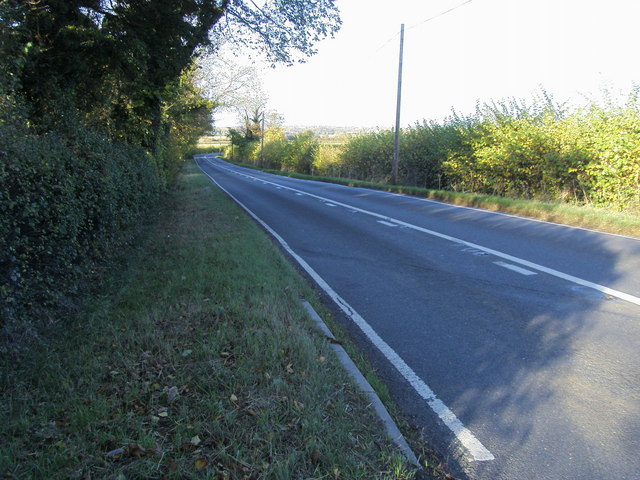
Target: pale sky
483	50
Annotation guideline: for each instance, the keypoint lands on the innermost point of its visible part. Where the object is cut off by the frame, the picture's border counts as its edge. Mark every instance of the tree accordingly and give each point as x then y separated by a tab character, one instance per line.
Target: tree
84	85
115	60
286	31
225	82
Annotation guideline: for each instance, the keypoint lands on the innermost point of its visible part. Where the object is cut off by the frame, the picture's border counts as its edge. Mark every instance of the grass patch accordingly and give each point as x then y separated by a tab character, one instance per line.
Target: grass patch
195	360
597	218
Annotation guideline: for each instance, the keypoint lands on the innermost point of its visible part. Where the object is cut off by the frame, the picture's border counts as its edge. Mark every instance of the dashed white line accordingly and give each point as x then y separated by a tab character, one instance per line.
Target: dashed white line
388	224
515	268
525	263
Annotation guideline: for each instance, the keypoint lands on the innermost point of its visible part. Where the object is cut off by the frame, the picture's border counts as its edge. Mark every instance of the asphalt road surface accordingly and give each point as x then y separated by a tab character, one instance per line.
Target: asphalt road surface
514	343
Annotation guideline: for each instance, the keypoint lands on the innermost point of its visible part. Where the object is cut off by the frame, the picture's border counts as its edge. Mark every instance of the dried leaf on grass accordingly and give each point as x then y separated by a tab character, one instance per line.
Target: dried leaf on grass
131	450
135	450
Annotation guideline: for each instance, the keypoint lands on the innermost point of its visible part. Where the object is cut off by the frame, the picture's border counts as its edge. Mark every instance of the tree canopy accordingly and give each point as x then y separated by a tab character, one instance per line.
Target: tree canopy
117	60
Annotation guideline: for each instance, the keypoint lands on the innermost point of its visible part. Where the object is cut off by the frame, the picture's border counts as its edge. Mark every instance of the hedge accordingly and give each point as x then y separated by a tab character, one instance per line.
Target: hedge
64	201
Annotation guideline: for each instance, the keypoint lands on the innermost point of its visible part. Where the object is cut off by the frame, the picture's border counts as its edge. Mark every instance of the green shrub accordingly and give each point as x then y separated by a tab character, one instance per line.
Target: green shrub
611	143
511	149
327	160
64	200
273	153
300	153
368	156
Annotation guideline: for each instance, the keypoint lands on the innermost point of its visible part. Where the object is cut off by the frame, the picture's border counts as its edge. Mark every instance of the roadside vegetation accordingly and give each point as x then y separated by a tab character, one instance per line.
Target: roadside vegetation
99	102
194	359
540	160
148	329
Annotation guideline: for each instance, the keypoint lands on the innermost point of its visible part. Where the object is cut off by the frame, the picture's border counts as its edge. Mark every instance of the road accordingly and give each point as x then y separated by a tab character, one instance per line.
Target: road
513	342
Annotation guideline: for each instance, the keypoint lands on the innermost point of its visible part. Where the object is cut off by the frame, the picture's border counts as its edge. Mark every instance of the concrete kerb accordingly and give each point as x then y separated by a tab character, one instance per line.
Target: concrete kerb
390	426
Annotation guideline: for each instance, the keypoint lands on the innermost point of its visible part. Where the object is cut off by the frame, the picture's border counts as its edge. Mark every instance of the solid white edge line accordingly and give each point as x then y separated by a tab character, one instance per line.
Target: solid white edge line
515	268
390	426
475	448
534	266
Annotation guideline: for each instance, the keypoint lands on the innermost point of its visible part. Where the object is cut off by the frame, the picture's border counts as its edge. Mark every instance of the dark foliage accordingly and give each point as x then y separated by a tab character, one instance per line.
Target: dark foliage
98	106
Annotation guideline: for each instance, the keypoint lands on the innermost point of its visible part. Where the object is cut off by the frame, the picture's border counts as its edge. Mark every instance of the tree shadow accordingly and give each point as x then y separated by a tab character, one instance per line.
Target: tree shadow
543	371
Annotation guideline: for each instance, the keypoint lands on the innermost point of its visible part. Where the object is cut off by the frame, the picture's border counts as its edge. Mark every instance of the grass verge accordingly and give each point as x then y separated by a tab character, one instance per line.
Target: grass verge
596	218
193	360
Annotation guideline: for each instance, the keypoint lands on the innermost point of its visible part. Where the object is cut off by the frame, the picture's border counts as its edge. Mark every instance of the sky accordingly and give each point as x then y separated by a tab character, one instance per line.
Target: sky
482	50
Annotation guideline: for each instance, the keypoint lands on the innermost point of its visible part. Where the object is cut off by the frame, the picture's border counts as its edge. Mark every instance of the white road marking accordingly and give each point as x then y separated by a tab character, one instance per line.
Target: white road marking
474	251
534	266
388	224
330	205
503	214
477	451
515	268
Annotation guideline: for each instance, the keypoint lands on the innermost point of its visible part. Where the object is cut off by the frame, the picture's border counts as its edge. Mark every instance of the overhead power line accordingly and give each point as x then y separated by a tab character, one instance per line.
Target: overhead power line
396	142
386	43
395	35
439	15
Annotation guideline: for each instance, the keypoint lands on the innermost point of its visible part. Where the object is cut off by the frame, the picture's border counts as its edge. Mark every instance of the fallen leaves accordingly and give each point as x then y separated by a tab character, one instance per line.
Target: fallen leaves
135	450
201	463
251	412
169	395
131	450
315	456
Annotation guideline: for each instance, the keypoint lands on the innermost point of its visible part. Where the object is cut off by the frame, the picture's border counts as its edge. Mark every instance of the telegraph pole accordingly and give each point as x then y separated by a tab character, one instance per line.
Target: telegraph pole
262	140
396	141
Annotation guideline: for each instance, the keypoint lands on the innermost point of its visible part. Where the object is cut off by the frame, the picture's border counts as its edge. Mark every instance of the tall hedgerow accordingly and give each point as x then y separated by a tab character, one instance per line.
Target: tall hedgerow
300	153
64	201
297	154
327	160
368	156
509	148
97	107
275	148
611	144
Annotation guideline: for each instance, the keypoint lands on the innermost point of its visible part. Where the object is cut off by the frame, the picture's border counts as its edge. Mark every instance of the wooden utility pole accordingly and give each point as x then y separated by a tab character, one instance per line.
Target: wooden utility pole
396	141
262	140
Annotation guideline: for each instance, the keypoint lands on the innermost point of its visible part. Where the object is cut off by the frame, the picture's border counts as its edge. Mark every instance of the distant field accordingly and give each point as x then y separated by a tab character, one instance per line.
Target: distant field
214	140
